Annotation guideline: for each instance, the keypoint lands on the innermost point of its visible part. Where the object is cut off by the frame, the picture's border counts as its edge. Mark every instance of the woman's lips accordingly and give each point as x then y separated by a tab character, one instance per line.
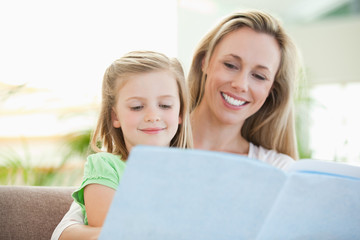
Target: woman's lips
232	102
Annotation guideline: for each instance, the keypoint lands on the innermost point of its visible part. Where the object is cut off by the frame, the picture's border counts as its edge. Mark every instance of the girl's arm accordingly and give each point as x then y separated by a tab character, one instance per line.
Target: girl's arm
97	200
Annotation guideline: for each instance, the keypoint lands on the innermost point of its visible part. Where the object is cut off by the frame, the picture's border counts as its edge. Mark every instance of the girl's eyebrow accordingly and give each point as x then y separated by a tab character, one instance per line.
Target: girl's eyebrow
144	98
238	58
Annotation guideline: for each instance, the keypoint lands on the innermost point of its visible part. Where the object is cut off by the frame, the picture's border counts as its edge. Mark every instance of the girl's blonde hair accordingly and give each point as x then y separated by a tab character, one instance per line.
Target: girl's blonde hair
132	63
272	126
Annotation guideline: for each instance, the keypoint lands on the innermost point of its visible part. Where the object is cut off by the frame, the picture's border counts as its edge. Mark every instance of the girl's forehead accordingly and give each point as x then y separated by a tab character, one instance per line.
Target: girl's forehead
124	78
149	84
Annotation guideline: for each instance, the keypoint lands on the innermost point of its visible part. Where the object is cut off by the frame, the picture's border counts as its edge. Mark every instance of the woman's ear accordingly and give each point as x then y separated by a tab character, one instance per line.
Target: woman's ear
203	65
271	90
180	120
271	95
114	119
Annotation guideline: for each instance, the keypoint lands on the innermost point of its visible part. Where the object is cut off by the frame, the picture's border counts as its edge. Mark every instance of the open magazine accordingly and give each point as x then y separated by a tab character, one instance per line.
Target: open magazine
169	193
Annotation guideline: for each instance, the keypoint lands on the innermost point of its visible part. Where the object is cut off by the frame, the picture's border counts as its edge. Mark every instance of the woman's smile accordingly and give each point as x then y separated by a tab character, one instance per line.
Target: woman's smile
232	100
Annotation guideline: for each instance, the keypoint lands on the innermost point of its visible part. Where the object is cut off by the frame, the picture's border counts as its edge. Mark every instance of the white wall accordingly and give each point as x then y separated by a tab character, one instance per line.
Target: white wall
330	49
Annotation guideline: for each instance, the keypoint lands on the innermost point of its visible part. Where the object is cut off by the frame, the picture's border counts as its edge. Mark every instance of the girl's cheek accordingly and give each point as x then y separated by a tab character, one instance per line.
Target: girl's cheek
131	118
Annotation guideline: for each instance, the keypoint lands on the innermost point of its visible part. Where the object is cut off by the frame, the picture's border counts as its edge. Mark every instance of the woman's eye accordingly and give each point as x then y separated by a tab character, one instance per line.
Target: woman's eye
260	77
230	65
165	106
136	108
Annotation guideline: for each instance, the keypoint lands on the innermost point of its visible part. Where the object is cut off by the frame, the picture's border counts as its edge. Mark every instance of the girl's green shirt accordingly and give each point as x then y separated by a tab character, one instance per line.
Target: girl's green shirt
100	168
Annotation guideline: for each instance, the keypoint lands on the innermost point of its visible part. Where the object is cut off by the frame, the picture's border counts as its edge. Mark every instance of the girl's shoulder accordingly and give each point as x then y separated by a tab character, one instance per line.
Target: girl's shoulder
104	156
270	156
102	159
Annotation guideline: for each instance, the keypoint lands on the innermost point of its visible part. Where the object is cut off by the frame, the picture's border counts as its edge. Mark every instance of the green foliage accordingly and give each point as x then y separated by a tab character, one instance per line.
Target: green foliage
17	169
303	105
8	91
78	144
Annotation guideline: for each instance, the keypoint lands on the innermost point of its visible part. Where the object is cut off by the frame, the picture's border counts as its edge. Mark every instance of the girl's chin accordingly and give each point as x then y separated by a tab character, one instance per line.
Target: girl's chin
156	144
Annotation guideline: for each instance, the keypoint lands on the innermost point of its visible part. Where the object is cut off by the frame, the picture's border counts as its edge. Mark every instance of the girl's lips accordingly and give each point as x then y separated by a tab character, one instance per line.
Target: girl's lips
151	130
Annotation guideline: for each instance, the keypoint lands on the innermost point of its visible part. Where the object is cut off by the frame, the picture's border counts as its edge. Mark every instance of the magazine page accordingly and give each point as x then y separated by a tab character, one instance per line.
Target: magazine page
315	206
325	167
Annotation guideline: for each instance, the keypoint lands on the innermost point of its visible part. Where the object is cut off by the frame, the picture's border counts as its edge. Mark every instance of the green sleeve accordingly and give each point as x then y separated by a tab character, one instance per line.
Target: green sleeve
100	168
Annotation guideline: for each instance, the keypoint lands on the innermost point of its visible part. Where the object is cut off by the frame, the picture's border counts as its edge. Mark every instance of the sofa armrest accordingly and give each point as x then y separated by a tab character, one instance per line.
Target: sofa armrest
29	212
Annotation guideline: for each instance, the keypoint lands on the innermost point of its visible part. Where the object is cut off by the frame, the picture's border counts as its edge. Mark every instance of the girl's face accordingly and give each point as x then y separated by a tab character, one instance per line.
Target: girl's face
147	109
240	75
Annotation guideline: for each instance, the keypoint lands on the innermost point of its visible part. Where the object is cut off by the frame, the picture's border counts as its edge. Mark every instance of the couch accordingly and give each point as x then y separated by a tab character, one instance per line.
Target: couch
29	212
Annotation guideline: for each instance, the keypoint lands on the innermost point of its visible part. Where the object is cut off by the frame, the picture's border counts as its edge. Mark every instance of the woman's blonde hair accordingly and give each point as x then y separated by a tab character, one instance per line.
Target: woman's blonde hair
132	63
272	126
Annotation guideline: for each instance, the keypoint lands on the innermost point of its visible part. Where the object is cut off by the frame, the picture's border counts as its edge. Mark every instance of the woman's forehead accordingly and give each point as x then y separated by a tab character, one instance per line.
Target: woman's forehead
248	45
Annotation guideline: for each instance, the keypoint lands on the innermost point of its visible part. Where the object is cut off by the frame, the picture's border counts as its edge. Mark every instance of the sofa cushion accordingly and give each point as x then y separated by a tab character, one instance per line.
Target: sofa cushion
29	212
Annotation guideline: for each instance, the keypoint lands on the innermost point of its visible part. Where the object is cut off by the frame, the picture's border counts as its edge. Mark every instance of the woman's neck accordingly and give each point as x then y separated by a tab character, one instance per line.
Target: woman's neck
210	134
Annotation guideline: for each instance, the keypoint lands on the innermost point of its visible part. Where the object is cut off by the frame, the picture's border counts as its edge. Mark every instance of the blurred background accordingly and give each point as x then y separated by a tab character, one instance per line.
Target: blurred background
53	55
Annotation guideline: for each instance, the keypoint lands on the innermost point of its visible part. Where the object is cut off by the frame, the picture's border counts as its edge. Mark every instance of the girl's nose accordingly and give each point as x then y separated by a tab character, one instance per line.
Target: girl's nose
240	82
152	116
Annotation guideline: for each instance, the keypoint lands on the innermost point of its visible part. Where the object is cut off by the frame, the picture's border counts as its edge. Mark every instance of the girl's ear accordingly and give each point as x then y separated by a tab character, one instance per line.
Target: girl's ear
114	119
180	120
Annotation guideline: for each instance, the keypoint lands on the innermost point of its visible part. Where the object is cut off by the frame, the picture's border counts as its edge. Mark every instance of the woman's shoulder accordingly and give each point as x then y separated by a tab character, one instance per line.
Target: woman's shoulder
270	156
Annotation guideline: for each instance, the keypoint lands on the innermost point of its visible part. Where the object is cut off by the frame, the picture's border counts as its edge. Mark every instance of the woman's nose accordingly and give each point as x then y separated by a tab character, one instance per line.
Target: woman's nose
241	82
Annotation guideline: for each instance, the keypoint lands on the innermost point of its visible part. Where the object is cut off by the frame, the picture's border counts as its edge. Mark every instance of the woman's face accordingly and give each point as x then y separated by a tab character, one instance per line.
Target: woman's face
240	75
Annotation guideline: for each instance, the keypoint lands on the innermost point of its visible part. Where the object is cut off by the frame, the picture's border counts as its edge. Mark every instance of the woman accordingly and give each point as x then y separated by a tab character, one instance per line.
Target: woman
241	82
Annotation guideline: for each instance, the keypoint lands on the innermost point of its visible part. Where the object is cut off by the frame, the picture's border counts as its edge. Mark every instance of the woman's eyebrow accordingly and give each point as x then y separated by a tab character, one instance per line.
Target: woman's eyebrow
240	59
235	56
167	96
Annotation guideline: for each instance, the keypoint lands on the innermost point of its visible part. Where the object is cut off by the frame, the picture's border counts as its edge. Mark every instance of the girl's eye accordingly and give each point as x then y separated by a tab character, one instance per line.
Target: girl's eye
136	108
165	106
258	76
230	65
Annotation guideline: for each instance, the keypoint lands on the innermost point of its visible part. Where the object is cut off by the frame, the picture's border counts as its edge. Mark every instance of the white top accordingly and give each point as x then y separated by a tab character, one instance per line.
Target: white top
271	157
73	216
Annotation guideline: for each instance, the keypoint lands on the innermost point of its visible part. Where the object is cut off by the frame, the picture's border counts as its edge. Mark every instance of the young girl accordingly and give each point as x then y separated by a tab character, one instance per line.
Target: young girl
144	101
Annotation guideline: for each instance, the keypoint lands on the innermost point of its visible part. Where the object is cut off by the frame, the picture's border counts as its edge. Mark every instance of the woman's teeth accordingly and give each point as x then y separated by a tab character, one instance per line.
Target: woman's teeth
232	101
